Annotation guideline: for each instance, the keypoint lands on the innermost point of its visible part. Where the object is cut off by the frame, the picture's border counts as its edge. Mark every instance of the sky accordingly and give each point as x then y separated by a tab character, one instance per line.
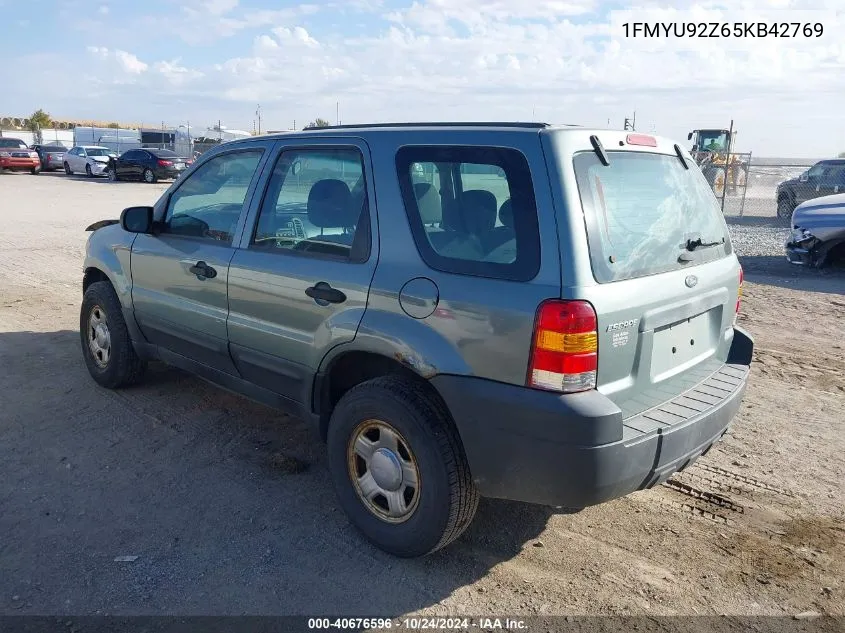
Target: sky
558	61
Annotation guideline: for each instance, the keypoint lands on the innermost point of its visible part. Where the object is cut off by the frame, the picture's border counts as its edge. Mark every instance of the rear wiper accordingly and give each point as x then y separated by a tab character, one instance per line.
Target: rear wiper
691	245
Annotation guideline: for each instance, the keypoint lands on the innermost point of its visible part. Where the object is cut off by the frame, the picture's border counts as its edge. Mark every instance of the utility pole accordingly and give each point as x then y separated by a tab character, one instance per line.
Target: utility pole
337	112
258	114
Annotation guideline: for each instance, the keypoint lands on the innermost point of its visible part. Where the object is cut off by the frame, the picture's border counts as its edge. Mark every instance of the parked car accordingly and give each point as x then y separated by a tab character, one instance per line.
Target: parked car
91	160
52	155
817	235
16	156
825	178
558	328
149	165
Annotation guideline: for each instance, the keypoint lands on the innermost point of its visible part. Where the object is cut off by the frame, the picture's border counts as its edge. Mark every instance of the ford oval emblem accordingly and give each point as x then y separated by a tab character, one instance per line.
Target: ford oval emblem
691	281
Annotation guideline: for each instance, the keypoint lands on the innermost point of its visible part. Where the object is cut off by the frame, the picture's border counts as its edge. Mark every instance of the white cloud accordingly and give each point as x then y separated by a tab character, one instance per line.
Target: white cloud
493	59
297	35
176	73
130	63
103	10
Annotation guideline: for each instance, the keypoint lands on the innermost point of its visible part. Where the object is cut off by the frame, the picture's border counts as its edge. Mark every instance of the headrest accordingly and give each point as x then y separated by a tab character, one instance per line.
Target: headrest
506	214
330	205
428	202
479	210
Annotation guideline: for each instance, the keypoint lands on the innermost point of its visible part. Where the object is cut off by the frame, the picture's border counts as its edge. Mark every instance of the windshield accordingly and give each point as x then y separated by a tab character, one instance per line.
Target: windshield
13	143
713	141
643	211
97	151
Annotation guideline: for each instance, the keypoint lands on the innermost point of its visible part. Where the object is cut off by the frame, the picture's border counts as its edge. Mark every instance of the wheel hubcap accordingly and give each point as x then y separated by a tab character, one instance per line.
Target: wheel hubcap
99	337
383	471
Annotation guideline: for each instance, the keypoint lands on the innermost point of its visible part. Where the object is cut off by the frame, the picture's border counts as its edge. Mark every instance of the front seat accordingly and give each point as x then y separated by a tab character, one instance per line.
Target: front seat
330	206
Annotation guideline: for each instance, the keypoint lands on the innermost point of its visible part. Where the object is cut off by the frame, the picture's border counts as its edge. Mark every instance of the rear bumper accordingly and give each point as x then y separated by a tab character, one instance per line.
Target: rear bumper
168	174
576	450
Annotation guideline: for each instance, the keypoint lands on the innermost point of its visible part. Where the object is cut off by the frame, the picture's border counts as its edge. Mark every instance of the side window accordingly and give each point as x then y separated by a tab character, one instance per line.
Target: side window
817	170
208	204
316	204
836	174
471	210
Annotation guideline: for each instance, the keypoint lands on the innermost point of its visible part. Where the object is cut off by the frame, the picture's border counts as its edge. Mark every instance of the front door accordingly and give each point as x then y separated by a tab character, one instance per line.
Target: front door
179	274
832	180
298	285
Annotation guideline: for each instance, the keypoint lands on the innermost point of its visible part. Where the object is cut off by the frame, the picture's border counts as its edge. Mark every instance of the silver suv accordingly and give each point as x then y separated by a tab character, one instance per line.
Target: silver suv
518	311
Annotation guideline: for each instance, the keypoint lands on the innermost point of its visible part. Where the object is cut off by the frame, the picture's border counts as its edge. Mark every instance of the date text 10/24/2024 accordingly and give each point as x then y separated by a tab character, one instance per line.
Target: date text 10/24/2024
784	30
419	624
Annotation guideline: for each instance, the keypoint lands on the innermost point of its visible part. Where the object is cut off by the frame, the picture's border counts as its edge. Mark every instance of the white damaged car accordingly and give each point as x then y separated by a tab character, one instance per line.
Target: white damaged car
817	232
90	160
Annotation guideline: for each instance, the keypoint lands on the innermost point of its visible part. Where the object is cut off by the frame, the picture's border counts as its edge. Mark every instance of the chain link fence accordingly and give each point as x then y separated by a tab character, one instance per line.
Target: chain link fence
746	186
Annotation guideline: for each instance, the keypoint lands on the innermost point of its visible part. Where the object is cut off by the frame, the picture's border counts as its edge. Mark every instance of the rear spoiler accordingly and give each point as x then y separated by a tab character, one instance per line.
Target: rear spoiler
100	224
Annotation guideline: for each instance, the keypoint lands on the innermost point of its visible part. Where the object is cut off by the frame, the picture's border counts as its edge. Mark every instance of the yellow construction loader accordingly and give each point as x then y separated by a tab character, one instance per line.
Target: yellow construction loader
713	151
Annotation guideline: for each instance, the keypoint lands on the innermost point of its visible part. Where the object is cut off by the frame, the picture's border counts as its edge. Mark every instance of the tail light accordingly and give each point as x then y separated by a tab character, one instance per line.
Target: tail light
739	292
564	353
164	163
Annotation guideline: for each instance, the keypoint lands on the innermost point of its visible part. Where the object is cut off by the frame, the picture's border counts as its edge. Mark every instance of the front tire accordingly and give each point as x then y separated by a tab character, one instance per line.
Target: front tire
112	174
149	176
68	170
398	467
785	208
88	171
109	355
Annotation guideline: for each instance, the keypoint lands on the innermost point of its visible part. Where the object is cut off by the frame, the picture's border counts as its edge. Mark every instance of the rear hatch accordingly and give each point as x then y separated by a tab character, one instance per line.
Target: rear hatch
646	244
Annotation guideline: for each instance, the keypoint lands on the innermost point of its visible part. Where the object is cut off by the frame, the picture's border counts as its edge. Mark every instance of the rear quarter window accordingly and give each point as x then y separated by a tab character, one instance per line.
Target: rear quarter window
642	209
471	209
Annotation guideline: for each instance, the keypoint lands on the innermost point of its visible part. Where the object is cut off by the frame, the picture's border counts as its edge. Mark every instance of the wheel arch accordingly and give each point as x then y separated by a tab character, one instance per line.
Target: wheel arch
351	367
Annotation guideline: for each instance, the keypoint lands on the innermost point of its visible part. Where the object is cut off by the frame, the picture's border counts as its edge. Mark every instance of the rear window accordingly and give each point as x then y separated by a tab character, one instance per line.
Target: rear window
471	210
12	143
165	153
642	210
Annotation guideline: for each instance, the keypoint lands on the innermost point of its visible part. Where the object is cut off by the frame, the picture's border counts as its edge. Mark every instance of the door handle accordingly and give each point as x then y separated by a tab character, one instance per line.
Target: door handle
203	271
325	293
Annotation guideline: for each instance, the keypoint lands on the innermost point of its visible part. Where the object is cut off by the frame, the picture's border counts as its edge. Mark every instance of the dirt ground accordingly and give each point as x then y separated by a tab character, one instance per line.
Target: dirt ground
228	508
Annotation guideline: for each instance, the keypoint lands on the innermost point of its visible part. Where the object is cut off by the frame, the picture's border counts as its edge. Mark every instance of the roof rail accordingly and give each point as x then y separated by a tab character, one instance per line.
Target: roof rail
516	124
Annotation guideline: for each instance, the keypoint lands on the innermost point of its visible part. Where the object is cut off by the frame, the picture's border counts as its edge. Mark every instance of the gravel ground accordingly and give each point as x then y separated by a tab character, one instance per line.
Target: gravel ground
227	506
756	239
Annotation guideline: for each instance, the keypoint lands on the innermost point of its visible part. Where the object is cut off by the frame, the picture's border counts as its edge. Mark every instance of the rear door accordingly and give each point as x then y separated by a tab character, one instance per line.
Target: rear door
664	279
180	274
298	285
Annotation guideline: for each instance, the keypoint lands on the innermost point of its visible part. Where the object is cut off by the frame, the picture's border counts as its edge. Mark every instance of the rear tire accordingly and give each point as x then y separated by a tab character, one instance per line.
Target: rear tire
109	354
149	176
67	170
35	171
443	501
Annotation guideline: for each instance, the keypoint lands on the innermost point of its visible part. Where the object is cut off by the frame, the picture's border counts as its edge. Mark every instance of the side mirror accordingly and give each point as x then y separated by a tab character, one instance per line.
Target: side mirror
137	219
296	168
689	136
695	148
803	177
